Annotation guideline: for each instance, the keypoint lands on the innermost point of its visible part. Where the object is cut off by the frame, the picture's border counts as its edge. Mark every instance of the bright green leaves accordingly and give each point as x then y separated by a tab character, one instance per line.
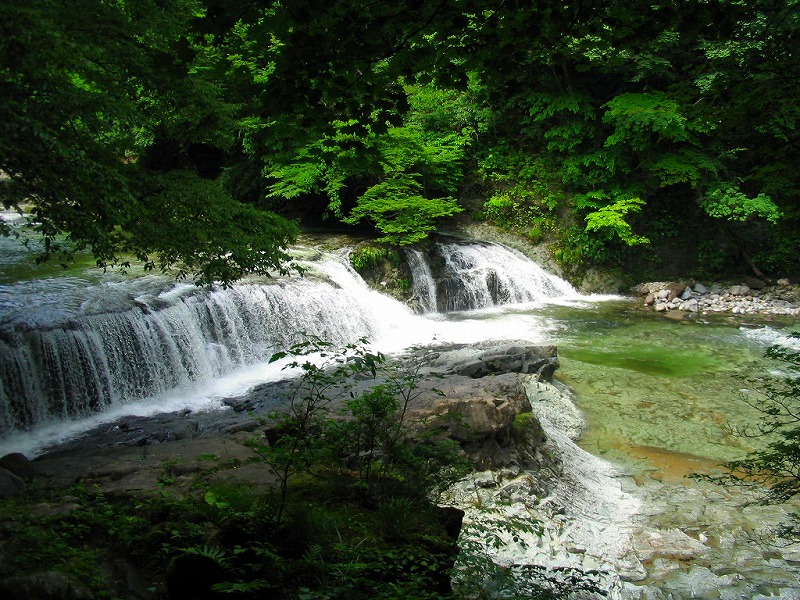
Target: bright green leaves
567	119
399	211
685	166
611	219
400	181
640	120
728	202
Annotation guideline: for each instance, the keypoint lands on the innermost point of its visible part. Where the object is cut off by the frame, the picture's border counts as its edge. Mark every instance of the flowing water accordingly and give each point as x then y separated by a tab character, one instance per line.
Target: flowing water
80	347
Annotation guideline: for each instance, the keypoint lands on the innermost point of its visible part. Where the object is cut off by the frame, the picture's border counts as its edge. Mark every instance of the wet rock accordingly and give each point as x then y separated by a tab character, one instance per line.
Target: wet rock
19	465
670	544
10	484
484	479
48	585
489	358
676	315
700	288
702	583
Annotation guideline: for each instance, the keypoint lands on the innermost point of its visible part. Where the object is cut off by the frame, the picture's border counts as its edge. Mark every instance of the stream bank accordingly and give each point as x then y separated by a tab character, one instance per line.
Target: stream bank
540	512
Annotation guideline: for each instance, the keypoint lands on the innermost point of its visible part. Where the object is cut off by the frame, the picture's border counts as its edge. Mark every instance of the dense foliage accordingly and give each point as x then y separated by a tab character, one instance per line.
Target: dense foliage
175	132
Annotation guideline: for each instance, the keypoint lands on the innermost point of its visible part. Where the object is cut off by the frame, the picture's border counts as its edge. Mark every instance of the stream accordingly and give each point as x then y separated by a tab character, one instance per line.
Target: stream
78	348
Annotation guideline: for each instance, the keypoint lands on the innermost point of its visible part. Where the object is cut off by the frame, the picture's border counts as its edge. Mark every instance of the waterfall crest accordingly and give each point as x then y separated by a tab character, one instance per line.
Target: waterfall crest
462	276
161	342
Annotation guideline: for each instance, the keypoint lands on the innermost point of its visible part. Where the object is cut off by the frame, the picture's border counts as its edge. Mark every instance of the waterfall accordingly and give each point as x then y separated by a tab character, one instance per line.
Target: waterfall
71	346
424	284
88	362
474	275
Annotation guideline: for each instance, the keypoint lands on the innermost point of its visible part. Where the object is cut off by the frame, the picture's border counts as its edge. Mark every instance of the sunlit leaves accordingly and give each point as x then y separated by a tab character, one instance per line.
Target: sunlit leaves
728	202
642	119
399	211
686	166
611	218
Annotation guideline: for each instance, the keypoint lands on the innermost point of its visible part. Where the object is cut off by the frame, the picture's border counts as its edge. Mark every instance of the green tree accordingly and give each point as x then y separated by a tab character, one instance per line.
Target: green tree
400	180
110	134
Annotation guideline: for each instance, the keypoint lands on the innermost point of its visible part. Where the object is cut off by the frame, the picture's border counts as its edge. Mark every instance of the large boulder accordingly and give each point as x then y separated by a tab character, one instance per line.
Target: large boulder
10	484
467	409
492	358
19	465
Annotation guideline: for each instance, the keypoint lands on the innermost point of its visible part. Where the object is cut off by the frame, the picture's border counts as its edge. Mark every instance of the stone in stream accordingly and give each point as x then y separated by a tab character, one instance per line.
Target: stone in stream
19	465
691	305
738	290
10	484
492	358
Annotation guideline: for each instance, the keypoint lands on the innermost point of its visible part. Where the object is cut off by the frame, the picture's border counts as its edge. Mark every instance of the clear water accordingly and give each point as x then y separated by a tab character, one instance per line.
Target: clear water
658	394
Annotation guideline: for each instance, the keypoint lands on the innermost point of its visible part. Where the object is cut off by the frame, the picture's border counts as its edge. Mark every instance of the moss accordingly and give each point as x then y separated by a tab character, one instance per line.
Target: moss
523	420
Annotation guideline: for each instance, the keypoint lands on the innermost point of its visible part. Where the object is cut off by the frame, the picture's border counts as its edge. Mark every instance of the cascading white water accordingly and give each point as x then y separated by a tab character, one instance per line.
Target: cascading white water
72	345
161	342
475	275
424	284
69	348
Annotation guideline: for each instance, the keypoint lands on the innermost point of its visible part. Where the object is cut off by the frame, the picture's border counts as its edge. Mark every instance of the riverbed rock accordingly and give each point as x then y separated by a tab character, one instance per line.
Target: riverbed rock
739	299
488	358
472	413
738	290
754	283
10	484
48	585
19	465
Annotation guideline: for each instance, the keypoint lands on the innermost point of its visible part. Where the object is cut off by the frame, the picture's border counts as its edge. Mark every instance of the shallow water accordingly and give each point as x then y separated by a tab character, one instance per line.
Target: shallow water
659	395
662	394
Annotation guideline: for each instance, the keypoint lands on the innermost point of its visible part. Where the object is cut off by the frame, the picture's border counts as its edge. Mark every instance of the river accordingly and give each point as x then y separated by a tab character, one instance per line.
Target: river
81	347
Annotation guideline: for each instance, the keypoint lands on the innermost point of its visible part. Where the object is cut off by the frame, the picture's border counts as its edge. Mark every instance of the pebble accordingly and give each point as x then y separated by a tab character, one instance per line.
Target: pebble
783	298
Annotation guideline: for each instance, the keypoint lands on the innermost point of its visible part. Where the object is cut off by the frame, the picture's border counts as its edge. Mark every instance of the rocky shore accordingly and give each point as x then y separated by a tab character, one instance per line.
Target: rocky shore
750	296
